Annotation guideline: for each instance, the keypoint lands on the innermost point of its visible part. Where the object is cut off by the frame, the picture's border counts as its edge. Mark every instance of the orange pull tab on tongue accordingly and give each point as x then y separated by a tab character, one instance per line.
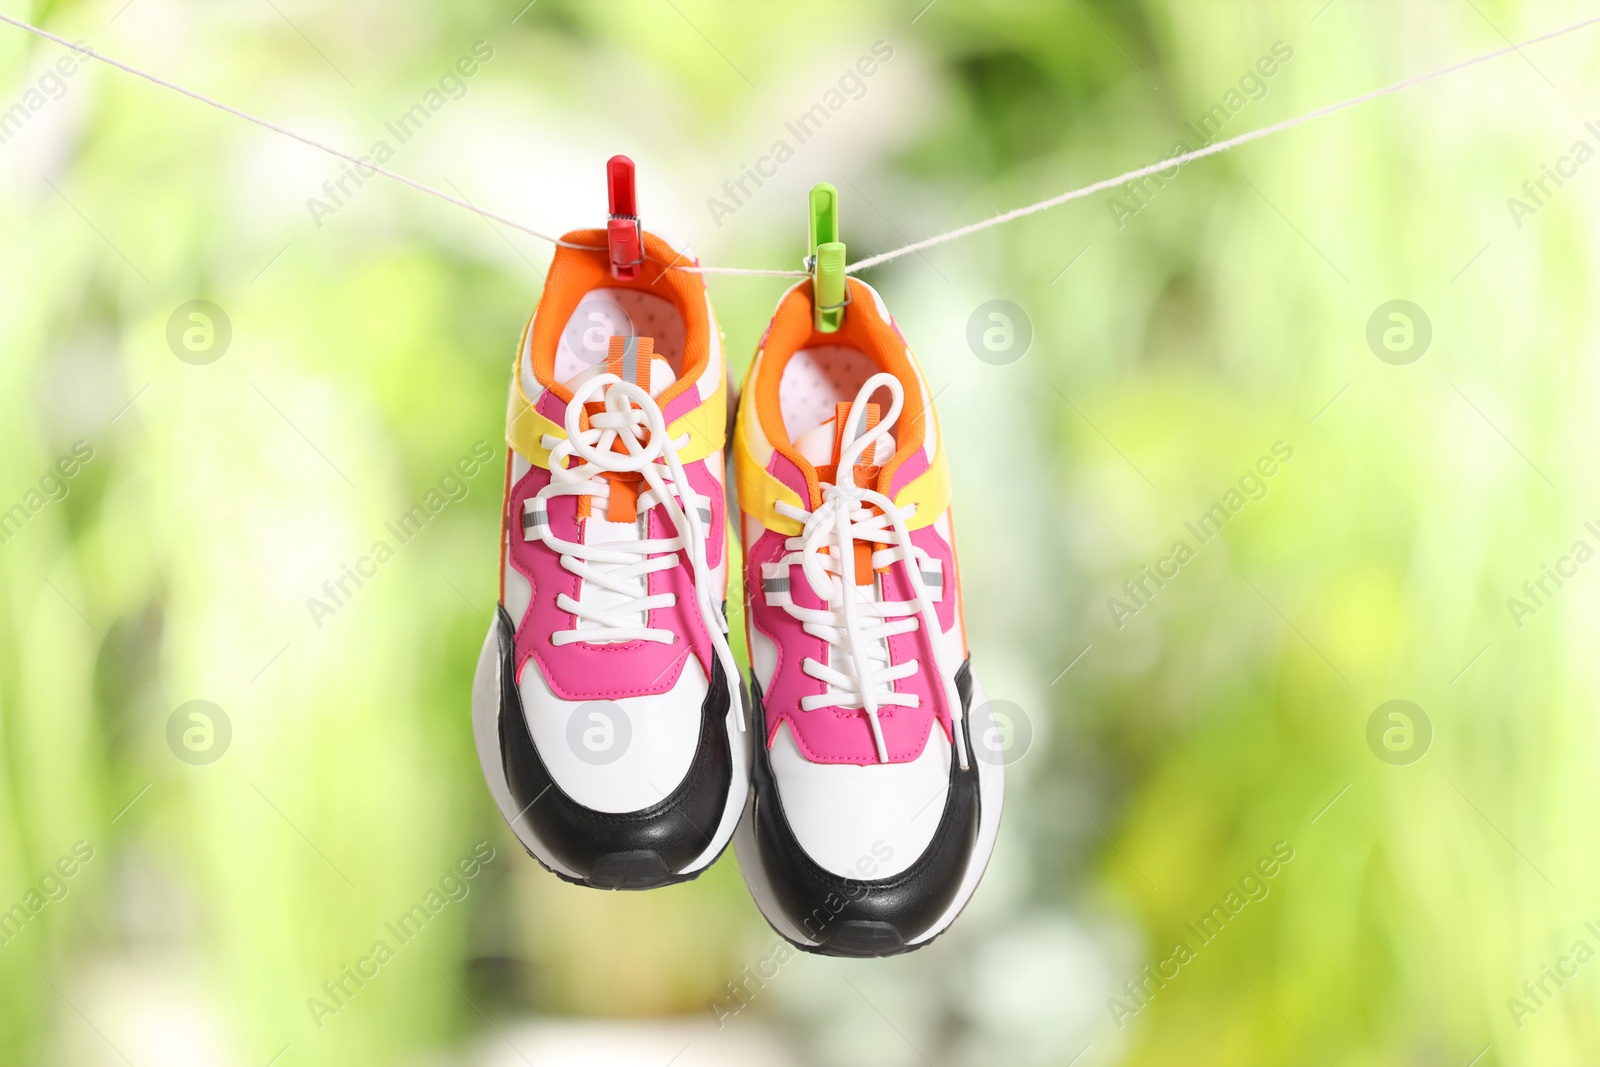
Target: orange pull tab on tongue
865	471
841	427
629	358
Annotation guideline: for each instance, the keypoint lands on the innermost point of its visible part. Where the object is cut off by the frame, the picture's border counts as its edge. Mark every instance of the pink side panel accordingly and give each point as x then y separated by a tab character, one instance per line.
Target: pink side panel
704	479
551	407
581	671
914	467
832	734
898	587
782	468
681	405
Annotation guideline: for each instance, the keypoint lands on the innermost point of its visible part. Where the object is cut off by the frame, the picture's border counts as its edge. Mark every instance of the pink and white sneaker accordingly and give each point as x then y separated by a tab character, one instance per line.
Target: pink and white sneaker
871	818
606	704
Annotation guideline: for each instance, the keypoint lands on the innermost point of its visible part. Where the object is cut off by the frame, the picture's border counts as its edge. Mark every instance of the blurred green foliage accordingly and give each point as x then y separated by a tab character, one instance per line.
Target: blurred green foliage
1173	346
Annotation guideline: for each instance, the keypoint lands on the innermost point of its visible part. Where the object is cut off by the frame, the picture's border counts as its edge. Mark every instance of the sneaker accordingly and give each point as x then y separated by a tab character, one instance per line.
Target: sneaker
606	704
871	820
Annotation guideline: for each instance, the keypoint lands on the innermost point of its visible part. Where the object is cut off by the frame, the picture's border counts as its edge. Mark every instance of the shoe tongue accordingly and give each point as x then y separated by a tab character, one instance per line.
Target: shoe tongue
822	446
632	359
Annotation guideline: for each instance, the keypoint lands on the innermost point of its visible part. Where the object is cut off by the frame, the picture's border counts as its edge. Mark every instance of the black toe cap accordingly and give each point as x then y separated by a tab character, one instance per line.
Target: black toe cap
852	917
617	850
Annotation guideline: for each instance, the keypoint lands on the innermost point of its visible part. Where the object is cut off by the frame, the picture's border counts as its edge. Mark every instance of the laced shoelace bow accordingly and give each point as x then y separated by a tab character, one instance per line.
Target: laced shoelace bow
859	673
631	416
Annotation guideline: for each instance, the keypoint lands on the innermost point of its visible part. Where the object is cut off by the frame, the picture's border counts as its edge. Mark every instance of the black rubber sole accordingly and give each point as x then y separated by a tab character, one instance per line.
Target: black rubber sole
630	872
634	850
832	929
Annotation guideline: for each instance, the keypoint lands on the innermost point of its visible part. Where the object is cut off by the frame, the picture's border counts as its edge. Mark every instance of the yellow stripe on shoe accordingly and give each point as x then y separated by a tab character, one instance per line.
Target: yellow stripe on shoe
706	425
759	491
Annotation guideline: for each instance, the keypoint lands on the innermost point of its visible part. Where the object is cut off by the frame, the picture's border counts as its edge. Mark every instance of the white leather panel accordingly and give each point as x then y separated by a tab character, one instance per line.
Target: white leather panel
843	814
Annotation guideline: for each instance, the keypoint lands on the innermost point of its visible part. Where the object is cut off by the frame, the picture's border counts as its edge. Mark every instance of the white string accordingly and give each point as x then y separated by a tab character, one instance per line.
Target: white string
870	261
1208	150
746	271
302	138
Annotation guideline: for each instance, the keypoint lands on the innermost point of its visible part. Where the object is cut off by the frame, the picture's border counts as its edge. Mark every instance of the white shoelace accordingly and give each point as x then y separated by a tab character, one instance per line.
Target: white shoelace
858	673
633	417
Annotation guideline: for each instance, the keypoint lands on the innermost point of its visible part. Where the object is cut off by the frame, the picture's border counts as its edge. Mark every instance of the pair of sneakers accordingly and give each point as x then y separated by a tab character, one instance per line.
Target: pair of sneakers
609	714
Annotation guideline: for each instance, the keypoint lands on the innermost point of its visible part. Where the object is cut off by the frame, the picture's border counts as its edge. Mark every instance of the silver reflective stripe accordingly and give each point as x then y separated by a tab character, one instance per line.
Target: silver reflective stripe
774	585
534	517
855	423
630	359
705	515
933	579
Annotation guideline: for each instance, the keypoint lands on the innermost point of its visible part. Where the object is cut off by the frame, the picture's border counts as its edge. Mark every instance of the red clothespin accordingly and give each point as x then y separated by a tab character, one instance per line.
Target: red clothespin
624	240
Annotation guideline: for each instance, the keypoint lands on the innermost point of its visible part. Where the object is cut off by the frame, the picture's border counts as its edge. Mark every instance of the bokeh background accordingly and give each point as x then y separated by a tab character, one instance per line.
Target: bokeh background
1441	853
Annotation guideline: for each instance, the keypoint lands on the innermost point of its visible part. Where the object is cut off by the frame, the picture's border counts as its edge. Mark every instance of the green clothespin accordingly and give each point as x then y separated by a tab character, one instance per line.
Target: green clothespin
830	291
